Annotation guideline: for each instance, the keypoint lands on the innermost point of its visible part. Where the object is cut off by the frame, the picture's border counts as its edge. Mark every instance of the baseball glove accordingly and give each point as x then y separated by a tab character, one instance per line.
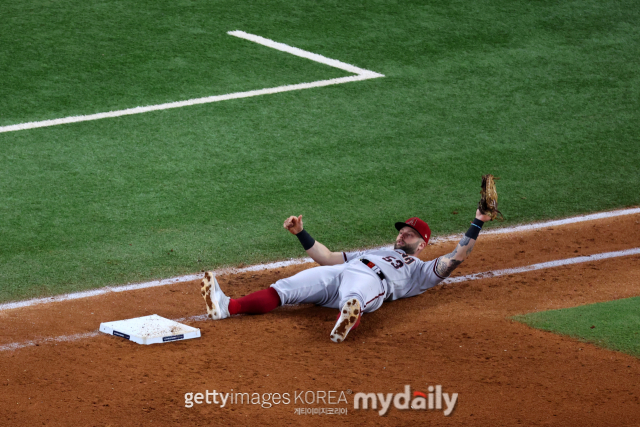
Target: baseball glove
488	204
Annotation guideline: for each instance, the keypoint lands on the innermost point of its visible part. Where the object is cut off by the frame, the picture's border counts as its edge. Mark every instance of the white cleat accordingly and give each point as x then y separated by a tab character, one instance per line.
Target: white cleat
217	302
348	318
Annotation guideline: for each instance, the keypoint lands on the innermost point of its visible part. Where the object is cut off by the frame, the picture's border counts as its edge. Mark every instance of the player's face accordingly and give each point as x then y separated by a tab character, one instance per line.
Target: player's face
408	240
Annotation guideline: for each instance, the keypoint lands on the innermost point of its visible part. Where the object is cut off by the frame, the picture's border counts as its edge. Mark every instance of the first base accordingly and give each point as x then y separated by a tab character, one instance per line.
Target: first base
152	329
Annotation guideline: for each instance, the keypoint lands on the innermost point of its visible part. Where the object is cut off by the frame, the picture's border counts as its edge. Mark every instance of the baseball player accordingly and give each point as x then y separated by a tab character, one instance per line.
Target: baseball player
354	282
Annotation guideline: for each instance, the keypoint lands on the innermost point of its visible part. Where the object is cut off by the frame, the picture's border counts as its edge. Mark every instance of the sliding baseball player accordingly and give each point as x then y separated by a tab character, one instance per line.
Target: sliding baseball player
353	282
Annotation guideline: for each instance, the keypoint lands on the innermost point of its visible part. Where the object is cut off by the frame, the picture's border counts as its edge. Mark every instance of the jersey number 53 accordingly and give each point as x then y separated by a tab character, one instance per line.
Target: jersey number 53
396	263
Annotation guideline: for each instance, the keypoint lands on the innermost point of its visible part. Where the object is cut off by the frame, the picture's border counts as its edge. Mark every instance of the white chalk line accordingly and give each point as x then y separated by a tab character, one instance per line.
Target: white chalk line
361	74
543	265
280	264
547	224
590	217
78	337
62	338
153	284
305	54
469	277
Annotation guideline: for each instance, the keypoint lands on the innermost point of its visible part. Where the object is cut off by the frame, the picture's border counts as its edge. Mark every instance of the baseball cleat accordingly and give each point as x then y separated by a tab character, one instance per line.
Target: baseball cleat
349	316
217	302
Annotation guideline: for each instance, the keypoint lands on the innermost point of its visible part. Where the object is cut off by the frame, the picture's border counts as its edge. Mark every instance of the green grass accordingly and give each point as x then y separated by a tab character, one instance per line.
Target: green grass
614	324
544	95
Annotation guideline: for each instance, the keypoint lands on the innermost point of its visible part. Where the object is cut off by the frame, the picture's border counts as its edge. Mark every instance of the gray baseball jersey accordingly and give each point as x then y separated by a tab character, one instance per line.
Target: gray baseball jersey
407	276
331	286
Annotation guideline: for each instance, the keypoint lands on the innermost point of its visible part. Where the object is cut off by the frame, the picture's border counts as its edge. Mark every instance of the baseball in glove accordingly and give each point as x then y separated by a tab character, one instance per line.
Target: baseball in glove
488	204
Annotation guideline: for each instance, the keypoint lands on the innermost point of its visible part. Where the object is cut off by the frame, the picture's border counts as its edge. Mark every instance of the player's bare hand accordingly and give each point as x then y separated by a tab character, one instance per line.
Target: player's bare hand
481	217
293	224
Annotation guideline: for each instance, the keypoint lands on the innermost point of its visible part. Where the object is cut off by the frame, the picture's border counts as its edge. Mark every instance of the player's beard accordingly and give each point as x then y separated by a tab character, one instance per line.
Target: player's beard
409	249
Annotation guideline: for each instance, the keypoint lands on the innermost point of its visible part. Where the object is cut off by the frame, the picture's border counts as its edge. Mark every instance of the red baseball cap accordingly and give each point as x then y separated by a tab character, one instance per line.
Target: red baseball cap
417	224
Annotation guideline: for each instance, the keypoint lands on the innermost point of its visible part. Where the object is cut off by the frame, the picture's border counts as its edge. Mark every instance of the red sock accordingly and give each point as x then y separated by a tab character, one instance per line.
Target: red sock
256	303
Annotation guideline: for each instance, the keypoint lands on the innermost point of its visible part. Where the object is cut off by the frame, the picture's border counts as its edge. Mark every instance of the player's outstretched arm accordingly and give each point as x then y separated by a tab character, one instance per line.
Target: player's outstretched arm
316	250
448	263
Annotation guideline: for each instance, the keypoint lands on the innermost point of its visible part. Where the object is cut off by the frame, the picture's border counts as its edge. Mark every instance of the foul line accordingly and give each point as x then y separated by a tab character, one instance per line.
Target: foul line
62	338
81	336
554	223
591	217
543	265
273	265
477	276
361	74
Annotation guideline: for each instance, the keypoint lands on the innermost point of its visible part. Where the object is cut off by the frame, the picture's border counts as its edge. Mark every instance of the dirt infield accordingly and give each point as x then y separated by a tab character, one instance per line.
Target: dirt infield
457	335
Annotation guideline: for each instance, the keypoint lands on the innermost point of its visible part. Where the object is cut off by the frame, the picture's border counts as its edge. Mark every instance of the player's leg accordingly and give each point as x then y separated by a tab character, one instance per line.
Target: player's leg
220	306
360	283
259	302
360	292
315	285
